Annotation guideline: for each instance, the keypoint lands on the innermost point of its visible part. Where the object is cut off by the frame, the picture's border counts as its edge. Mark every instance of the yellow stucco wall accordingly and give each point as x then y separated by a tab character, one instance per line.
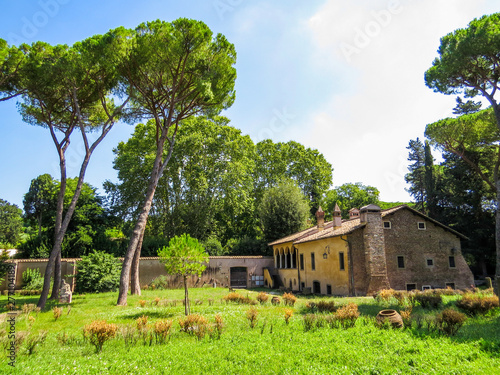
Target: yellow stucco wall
327	271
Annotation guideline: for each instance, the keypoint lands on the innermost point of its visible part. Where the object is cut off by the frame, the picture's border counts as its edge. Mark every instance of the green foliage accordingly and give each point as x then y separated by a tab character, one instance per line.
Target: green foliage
476	304
349	196
32	279
283	211
11	224
449	321
213	247
97	272
429	300
466	61
184	256
280	161
247	246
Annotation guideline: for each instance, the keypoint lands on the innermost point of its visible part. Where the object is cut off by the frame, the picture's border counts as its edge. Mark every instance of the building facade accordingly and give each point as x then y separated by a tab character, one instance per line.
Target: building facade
375	249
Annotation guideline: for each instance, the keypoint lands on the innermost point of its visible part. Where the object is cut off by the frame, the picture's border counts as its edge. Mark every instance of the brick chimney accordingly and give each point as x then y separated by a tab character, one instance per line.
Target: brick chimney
353	213
320	218
374	245
337	216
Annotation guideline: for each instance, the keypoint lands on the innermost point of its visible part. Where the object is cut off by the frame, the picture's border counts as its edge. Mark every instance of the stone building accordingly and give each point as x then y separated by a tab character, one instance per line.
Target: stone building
375	249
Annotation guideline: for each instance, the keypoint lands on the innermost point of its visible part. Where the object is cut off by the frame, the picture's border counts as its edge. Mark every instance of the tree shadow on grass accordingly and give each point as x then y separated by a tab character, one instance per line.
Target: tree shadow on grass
485	331
149	314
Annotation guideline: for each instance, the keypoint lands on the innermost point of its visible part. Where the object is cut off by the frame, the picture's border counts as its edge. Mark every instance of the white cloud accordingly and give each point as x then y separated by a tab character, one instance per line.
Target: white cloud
384	48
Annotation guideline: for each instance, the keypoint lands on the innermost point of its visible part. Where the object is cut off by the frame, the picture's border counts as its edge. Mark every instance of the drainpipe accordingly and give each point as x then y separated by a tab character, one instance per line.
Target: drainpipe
352	290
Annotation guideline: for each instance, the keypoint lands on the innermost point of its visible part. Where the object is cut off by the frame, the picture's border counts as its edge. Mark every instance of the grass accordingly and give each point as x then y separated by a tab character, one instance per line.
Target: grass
272	347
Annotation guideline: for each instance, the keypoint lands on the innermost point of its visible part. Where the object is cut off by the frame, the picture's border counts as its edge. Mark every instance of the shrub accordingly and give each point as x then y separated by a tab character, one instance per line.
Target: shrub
142	322
32	279
449	321
288	315
252	316
191	322
238	298
162	330
161	282
308	321
262	297
98	332
64	339
57	312
33	340
218	327
98	272
347	315
406	316
129	334
384	295
429	300
213	247
400	296
326	306
289	299
474	304
142	303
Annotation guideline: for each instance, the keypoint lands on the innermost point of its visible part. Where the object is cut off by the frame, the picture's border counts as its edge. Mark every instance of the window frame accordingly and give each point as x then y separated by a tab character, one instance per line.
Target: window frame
450	262
427	262
424	225
402	257
341	261
313	262
387	226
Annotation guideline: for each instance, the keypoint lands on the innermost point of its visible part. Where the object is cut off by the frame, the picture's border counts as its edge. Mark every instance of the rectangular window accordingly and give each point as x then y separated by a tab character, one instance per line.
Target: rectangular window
451	261
341	261
421	225
328	289
302	262
450	285
411	287
426	287
387	225
401	261
313	262
429	262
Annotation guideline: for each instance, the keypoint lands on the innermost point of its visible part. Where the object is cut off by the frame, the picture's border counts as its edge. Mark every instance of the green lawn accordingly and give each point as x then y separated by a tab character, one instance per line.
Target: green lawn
272	347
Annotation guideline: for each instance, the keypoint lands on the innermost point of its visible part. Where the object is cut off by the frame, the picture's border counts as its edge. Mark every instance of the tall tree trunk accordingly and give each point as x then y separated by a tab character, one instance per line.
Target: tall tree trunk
140	226
497	239
187	308
137	233
57	277
135	287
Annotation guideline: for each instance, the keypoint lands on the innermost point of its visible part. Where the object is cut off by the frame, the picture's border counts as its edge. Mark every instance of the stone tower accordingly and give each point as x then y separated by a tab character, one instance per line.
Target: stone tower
374	245
320	218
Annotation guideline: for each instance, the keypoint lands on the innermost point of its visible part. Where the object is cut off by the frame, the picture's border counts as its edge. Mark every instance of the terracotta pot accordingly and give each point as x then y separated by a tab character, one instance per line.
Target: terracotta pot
392	316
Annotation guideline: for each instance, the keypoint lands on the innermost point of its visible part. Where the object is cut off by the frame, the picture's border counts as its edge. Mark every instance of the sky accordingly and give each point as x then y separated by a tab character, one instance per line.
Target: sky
343	77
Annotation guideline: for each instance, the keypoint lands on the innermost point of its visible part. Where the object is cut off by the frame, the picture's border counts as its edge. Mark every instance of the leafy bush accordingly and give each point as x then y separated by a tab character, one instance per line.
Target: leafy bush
384	295
347	315
288	315
98	272
161	282
262	297
474	304
162	330
57	311
308	321
213	247
239	299
449	321
98	332
289	299
429	300
194	324
252	316
32	279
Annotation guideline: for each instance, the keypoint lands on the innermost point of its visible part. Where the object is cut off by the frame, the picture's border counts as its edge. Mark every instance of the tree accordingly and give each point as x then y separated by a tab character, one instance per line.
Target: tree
474	138
283	210
97	272
66	89
184	256
307	167
469	64
11	224
11	61
38	200
206	189
350	195
173	71
416	177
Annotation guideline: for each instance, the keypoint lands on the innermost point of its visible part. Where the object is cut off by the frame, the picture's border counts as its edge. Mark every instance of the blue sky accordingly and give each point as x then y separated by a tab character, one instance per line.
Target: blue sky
344	77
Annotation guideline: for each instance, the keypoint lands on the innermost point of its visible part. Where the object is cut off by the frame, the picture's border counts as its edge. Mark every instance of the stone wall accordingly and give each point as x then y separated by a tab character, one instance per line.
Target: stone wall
360	275
218	271
417	246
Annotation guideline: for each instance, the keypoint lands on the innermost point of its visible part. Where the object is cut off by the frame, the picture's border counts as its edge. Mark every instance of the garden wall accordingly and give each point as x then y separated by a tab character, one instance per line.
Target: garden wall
218	271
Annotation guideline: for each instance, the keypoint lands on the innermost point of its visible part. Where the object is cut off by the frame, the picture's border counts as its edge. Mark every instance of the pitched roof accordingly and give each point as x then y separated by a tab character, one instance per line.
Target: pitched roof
349	226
